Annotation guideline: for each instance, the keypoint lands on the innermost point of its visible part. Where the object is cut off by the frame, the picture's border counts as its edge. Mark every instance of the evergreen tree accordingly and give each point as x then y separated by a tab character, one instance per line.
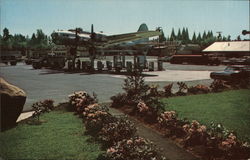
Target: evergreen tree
6	43
194	40
183	35
179	36
224	38
162	37
204	36
211	34
208	34
187	36
228	38
33	40
172	37
199	38
238	38
168	39
6	34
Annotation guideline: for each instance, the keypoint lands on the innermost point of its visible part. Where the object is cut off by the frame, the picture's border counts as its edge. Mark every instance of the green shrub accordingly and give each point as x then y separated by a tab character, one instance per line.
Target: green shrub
182	88
196	134
135	148
168	90
95	117
153	90
42	107
135	88
116	131
150	109
119	100
198	89
218	86
169	121
81	99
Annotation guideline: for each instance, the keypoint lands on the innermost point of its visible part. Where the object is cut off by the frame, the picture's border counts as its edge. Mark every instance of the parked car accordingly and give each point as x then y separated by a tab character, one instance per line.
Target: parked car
232	73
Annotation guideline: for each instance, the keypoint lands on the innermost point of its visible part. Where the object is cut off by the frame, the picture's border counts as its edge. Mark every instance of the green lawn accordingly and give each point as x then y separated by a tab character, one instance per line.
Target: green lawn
61	137
231	108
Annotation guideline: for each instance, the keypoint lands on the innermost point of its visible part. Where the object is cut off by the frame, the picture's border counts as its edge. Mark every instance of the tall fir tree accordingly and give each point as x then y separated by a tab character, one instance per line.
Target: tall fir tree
204	36
173	36
179	36
199	39
162	37
212	35
194	40
187	36
183	35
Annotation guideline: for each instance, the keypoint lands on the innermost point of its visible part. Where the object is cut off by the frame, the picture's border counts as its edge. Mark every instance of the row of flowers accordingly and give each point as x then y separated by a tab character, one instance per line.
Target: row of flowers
217	140
216	86
142	101
117	134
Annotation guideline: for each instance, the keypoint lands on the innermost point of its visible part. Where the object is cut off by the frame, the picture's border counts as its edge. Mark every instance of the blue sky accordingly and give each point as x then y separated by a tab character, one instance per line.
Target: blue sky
118	16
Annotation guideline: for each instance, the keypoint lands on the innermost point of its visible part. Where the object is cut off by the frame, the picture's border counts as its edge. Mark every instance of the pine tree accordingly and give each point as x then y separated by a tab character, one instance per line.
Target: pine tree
204	36
208	34
199	38
187	36
212	35
172	37
194	40
162	37
179	36
183	36
6	34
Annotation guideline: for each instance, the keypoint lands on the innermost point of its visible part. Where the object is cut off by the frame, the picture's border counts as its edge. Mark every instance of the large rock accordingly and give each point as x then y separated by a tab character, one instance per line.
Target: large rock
12	102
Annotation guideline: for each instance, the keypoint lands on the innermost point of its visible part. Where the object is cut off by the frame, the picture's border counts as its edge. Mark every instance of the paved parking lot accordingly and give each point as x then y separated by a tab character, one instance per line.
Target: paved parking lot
44	83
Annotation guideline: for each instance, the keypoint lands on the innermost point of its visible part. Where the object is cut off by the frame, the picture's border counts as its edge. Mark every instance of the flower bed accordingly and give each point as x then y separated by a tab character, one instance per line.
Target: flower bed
146	107
217	142
117	134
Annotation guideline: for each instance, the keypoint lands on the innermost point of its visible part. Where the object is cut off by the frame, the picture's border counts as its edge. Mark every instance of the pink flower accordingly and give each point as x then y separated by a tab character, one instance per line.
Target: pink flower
129	141
203	128
142	107
186	127
111	150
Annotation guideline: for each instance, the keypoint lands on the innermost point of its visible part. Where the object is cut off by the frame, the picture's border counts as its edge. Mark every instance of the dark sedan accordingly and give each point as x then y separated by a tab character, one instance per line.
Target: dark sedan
232	73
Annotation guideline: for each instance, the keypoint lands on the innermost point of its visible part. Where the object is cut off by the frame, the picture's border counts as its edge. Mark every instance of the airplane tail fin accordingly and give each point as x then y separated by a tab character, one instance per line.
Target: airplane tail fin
143	27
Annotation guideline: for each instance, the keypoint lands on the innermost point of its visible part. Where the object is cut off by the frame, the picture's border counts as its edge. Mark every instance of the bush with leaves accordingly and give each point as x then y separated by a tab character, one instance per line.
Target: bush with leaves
218	86
119	100
95	117
198	89
150	109
169	120
42	107
182	88
153	90
196	134
222	142
142	107
115	131
168	90
81	99
136	148
135	88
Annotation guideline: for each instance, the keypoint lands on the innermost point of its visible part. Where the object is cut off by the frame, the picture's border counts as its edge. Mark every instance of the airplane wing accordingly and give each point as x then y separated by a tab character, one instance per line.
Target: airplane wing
121	38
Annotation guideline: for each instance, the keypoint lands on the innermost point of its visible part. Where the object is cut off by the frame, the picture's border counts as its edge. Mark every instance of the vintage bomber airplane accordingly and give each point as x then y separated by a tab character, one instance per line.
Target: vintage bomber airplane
93	40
